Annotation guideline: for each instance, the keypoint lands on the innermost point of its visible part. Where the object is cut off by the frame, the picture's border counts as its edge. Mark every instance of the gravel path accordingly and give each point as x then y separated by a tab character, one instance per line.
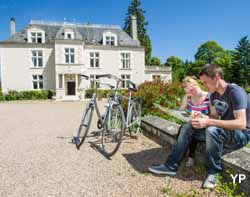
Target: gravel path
37	157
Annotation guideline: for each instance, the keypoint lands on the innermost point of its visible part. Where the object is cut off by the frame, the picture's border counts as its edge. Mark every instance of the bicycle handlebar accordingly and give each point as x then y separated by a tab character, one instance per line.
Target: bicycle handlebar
133	88
85	76
103	76
108	76
132	85
106	84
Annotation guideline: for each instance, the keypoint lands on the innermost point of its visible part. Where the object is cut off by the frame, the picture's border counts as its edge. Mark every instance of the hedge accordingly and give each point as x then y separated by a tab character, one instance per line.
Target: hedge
27	95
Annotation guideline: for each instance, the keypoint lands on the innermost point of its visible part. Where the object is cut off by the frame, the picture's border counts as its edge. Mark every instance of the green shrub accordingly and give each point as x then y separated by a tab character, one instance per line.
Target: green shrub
27	95
51	93
11	95
166	94
33	95
101	93
89	92
1	96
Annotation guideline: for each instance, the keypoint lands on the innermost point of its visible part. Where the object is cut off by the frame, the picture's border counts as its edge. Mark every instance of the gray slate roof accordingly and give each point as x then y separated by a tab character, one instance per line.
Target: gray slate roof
89	33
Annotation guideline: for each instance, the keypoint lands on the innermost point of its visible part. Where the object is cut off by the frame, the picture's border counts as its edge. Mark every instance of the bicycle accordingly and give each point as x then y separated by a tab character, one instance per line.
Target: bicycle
112	121
133	111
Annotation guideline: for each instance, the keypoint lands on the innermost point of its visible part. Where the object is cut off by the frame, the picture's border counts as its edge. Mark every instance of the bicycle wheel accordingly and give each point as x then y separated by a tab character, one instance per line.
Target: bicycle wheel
135	119
113	130
84	127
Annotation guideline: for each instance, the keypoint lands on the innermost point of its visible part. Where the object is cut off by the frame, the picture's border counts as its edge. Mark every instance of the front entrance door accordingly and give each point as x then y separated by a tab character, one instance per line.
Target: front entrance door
71	88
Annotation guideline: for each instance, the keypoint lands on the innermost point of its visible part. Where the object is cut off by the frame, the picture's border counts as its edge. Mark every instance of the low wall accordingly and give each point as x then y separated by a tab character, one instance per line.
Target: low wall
165	132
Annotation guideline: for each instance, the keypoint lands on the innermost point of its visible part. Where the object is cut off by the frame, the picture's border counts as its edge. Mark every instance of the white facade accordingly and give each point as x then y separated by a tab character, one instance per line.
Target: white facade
55	61
17	68
158	73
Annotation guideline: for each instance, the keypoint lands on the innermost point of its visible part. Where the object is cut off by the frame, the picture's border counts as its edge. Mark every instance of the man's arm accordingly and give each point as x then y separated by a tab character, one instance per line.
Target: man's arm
238	123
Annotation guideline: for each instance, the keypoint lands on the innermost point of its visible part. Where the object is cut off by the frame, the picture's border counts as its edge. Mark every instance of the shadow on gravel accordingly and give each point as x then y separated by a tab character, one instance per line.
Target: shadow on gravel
140	161
68	138
99	149
64	137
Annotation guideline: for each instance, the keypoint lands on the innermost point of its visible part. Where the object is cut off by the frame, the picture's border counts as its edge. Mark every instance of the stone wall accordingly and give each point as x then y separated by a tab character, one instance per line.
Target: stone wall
238	161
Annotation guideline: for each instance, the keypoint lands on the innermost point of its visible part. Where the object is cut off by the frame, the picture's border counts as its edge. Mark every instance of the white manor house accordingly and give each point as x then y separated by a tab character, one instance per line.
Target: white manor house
52	55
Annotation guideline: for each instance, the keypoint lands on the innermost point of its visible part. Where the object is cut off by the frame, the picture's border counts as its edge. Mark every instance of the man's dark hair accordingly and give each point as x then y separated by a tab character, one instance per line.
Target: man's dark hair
211	70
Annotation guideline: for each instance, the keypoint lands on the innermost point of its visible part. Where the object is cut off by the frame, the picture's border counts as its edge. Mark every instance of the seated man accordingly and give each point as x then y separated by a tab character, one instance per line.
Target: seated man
229	124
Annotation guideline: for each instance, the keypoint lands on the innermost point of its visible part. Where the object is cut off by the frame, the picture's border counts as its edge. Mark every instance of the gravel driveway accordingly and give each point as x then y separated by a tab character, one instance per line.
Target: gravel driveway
37	157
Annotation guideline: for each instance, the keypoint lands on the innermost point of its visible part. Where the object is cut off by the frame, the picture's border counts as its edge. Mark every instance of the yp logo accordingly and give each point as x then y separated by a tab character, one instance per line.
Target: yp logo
239	177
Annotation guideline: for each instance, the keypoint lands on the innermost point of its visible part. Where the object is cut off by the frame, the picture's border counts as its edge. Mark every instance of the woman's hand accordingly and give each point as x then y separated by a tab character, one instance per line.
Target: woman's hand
195	114
198	120
199	123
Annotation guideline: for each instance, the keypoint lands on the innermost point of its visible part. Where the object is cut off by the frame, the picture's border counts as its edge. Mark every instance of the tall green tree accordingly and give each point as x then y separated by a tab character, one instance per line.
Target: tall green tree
136	10
155	61
241	62
225	62
208	52
177	66
195	68
192	68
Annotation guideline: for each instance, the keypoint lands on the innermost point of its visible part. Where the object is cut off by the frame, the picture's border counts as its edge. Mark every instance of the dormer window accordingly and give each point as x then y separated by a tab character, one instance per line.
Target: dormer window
36	37
68	34
109	39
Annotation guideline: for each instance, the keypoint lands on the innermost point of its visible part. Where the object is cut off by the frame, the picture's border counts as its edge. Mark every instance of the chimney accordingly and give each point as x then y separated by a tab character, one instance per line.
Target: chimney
133	27
12	26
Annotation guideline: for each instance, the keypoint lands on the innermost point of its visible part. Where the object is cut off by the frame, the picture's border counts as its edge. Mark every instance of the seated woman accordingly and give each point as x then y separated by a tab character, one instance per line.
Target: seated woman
196	102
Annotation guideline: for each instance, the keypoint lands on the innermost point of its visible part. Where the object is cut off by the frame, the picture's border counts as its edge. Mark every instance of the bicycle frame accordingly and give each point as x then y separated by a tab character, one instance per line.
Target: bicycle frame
131	103
110	102
93	103
112	121
129	109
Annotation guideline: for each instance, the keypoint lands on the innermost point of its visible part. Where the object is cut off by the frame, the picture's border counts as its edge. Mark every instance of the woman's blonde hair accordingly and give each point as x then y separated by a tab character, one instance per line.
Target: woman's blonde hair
190	81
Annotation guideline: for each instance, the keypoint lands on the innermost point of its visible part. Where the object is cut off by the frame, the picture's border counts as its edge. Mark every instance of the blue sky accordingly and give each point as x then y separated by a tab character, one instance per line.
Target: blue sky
176	27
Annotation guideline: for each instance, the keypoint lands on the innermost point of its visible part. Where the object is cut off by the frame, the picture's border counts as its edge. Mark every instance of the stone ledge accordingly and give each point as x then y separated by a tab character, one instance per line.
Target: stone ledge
165	132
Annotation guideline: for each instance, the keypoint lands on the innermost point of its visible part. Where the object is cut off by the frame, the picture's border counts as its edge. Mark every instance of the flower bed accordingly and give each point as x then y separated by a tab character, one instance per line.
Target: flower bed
166	94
